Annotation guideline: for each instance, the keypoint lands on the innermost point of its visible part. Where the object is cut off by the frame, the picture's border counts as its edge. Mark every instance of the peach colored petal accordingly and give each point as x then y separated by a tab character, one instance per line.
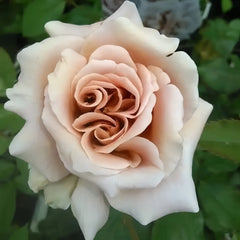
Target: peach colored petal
95	96
183	73
69	146
138	127
105	67
114	53
103	160
90	208
92	120
91	96
33	143
162	77
144	45
126	84
82	85
149	85
59	86
107	134
176	193
165	126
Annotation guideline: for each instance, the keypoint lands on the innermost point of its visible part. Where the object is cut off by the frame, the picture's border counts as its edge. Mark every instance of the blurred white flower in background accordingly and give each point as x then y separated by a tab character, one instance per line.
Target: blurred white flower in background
178	18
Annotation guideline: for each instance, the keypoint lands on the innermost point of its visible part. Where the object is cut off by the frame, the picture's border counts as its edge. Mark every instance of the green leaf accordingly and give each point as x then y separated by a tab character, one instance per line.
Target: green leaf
7	72
10	18
222	138
214	164
7	205
20	234
7	168
22	179
180	226
37	13
83	14
222	36
4	143
235	24
221	75
221	206
125	227
59	224
226	5
10	123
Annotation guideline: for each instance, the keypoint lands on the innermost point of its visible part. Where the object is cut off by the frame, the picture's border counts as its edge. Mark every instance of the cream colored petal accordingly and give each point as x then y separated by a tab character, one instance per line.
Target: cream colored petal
165	126
59	86
57	28
36	180
162	77
33	143
39	214
192	130
144	45
69	146
176	193
128	10
183	73
58	194
147	174
90	208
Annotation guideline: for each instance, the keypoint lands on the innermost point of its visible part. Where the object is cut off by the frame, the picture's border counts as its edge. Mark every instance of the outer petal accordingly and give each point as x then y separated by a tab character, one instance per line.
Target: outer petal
147	175
58	194
128	10
90	208
175	193
183	73
40	213
59	86
57	28
165	126
192	130
33	143
145	45
36	180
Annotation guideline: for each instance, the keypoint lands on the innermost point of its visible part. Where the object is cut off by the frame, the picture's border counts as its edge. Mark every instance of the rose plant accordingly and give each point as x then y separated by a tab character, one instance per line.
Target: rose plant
113	117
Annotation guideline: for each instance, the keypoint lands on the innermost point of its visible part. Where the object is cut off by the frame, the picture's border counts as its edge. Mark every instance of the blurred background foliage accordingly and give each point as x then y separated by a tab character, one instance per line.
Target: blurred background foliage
215	47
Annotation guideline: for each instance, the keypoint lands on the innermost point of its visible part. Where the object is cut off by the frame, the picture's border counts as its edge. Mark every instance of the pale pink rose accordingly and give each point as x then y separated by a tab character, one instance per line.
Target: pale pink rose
112	116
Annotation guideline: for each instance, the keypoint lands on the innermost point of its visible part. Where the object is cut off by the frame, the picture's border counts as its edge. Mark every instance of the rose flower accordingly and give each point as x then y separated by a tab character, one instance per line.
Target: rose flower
113	117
